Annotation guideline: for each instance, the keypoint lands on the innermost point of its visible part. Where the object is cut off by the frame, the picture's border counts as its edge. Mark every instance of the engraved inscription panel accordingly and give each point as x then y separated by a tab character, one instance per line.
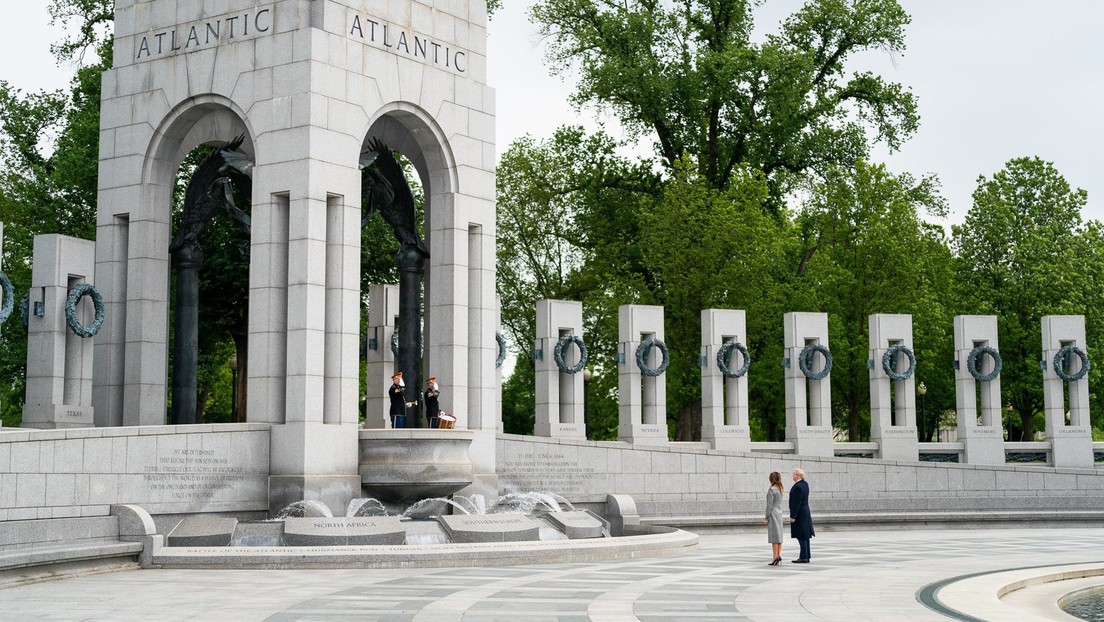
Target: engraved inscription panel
552	471
183	475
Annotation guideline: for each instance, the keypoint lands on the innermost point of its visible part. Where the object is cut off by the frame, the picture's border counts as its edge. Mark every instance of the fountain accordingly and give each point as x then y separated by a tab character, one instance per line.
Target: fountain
527	516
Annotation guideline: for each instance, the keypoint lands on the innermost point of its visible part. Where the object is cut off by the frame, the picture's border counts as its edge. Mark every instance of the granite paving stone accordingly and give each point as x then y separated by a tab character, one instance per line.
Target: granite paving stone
854	577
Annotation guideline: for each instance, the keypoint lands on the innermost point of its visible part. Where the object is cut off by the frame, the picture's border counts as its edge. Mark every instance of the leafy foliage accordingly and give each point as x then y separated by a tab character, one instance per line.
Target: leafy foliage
49	144
1017	258
689	75
93	19
872	253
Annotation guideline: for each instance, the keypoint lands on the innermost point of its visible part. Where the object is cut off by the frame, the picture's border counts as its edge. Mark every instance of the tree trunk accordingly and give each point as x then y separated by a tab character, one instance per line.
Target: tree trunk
201	404
689	422
1027	426
241	349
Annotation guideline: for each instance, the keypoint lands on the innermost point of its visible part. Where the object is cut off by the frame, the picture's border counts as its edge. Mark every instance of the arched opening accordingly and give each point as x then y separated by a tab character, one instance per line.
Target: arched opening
407	131
209	286
188	135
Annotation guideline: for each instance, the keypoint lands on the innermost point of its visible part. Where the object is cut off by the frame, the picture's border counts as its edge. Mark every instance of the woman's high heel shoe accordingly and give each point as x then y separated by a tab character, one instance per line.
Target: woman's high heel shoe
775	562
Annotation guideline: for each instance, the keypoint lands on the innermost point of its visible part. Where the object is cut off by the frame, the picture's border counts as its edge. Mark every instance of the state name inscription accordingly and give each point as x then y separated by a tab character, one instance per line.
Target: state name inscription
549	471
192	474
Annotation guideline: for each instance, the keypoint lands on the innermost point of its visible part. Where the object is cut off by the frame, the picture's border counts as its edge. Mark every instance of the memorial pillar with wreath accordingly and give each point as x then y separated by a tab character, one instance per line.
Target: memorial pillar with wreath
1066	391
559	358
892	366
379	357
725	362
808	363
64	312
977	387
642	360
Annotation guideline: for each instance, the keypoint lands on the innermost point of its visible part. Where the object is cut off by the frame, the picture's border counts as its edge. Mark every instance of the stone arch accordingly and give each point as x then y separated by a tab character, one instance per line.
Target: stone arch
414	132
141	281
198	120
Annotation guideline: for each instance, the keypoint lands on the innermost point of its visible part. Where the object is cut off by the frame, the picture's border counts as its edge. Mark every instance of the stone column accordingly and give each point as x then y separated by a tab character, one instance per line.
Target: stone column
982	441
559	395
314	453
724	399
187	260
59	362
642	400
498	367
1070	440
383	311
808	402
892	402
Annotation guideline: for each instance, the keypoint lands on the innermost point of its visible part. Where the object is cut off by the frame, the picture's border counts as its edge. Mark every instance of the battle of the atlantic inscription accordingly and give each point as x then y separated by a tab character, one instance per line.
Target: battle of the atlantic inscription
550	471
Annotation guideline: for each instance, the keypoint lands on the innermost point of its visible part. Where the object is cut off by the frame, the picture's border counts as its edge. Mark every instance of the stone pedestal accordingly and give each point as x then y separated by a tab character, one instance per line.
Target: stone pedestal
490	528
982	440
383	314
578	524
408	465
808	402
892	402
642	400
724	399
559	395
1070	439
342	531
59	362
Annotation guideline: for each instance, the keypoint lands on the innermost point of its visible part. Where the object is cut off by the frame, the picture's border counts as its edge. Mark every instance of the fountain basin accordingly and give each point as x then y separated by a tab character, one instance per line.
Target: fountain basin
639	541
407	465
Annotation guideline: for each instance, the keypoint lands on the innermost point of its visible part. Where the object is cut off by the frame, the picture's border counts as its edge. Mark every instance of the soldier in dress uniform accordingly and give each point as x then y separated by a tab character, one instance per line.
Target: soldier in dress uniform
398	400
432	405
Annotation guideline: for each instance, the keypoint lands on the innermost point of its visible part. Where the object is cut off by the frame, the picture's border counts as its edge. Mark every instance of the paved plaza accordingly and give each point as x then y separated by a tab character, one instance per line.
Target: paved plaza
855	576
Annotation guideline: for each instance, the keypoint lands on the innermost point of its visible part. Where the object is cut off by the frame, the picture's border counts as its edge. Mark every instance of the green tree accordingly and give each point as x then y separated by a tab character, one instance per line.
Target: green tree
871	252
713	249
1091	257
94	20
567	214
1016	259
689	75
45	187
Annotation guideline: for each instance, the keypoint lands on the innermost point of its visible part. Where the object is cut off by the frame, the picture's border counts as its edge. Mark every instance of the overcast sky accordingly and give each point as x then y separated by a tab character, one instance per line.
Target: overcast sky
996	79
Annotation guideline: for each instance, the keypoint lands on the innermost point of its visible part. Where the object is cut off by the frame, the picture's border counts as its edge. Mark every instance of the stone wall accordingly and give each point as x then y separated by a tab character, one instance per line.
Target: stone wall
689	480
225	468
164	469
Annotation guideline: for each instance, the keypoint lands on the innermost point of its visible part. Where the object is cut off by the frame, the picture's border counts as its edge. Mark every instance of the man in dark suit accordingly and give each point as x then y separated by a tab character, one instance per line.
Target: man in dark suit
801	518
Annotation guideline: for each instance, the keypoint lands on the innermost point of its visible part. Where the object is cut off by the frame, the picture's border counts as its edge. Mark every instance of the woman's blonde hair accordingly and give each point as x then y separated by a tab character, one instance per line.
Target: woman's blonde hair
776	481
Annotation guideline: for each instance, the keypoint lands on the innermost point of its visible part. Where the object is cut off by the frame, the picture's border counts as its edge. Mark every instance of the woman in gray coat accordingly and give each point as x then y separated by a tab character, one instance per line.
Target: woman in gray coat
774	516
